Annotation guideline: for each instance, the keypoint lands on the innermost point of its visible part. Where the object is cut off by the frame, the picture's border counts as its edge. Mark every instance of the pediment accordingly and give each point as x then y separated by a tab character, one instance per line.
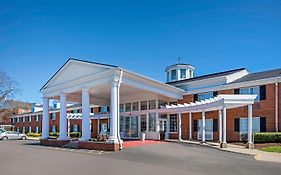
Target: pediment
74	70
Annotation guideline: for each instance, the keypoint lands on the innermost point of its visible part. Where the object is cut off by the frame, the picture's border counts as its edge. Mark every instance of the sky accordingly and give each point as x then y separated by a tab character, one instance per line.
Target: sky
37	37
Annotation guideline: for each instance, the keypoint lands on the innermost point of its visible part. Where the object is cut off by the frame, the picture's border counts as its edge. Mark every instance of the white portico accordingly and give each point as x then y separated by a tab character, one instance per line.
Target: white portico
105	85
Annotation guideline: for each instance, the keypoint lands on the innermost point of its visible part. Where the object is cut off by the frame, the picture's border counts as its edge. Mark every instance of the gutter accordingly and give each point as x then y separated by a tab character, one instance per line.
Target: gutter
118	112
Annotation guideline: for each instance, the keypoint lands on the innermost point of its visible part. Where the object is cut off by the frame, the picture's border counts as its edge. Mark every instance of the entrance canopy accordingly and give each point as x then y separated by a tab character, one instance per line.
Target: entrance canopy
217	103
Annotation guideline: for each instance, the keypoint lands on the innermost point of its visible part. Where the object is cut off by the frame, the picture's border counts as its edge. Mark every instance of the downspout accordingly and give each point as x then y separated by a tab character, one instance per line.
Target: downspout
118	111
276	106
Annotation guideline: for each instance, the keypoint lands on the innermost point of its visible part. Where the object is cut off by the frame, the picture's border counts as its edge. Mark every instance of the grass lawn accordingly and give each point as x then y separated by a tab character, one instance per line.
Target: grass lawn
276	149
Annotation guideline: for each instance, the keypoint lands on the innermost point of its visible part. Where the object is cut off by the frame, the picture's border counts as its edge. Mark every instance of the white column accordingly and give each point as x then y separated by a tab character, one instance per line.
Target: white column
98	128
45	120
86	133
113	113
224	144
276	107
190	126
250	126
203	126
179	115
63	119
220	126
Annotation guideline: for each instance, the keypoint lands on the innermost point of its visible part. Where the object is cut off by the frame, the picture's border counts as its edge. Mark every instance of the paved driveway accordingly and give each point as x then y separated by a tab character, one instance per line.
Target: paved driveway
27	158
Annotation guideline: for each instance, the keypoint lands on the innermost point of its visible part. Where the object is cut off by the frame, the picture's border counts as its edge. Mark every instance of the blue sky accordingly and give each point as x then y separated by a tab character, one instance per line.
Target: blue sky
36	38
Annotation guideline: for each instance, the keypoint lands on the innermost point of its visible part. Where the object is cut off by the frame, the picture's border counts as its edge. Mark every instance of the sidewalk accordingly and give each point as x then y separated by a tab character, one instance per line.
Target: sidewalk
33	138
259	155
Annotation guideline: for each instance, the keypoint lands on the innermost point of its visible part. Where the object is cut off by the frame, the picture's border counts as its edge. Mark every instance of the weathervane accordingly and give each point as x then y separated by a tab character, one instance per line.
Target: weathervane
179	59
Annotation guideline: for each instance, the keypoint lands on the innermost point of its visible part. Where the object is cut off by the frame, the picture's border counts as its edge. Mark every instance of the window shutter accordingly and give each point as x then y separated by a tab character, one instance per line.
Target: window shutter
262	124
236	91
195	97
215	125
195	127
215	93
263	92
78	128
71	128
236	125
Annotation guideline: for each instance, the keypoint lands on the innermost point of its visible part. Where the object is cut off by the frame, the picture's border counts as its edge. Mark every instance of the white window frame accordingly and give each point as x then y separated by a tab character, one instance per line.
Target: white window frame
173	77
182	73
173	123
251	91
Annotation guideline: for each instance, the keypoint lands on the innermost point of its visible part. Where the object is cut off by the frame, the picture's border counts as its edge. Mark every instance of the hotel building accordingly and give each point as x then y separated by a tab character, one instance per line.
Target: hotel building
225	106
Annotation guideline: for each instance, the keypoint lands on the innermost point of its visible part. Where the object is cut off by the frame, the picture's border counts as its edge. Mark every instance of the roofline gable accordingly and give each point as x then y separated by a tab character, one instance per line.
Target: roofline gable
74	60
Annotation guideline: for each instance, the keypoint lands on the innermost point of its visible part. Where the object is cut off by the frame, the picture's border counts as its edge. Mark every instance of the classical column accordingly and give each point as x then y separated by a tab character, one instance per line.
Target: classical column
224	144
98	128
220	126
203	127
63	119
180	139
250	143
113	113
190	126
86	133
45	120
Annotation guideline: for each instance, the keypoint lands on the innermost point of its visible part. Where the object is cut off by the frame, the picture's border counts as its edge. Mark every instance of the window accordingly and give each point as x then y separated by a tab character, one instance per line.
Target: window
174	74
37	117
161	104
18	129
75	128
251	90
204	96
103	109
53	117
144	105
18	120
168	76
29	118
183	73
135	106
128	107
23	129
143	123
54	129
244	125
173	123
29	129
104	127
23	119
121	107
152	122
75	111
36	129
152	104
122	126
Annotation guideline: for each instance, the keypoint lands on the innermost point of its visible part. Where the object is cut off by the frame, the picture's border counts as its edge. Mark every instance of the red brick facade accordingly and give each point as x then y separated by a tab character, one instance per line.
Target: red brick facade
263	108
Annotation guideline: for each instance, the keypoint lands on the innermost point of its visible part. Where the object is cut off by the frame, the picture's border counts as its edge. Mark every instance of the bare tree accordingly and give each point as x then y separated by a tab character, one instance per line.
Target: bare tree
8	87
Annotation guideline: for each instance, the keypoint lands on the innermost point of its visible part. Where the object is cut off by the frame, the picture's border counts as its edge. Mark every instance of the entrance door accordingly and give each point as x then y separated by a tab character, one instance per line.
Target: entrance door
131	127
208	129
163	124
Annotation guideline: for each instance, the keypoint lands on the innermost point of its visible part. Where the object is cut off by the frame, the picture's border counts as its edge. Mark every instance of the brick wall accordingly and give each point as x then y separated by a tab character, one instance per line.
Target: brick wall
264	108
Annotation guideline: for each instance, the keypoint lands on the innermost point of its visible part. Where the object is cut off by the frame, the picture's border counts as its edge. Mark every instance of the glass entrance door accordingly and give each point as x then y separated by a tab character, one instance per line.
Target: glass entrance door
131	129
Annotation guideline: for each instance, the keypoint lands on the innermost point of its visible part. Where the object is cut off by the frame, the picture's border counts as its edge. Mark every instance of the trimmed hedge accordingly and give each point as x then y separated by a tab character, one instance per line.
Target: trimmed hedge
75	134
267	137
31	134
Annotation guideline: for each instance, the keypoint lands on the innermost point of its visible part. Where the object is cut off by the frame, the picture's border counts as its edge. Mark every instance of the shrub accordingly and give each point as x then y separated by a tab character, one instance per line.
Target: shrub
54	134
267	137
31	134
75	134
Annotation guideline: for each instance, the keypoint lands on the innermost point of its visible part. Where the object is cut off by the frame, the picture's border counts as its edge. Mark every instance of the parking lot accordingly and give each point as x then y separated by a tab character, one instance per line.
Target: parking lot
27	157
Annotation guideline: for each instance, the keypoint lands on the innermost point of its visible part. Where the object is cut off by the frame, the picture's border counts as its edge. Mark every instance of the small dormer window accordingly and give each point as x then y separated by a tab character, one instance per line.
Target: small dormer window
168	76
174	74
183	73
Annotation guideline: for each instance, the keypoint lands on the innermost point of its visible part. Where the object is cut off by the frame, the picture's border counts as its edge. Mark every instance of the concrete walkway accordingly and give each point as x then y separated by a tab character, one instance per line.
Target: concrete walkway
259	155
